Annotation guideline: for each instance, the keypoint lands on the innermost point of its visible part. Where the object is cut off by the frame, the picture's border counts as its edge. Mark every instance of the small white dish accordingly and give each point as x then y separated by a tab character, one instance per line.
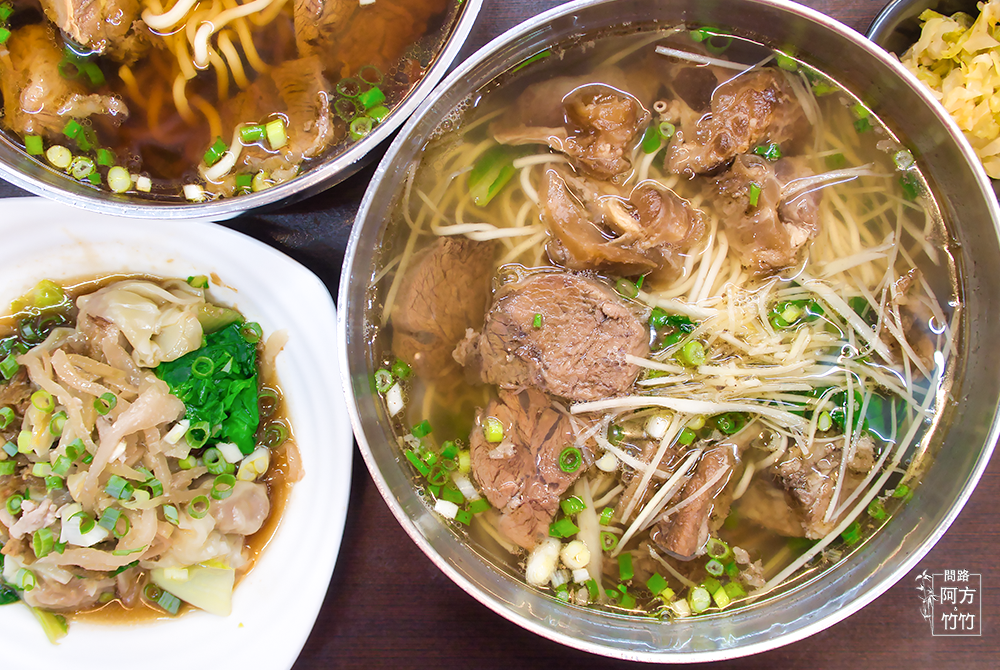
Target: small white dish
275	606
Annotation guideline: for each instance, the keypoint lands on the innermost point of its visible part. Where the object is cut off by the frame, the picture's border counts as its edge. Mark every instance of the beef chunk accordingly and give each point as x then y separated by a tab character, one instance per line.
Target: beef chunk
445	291
521	476
595	227
746	110
683	535
103	26
810	480
770	234
298	90
348	36
37	99
590	119
577	352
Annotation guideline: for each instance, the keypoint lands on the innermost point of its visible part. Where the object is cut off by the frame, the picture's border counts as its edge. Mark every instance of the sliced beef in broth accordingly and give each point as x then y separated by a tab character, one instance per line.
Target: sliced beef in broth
38	100
445	292
103	26
520	475
591	120
578	348
746	110
596	227
771	233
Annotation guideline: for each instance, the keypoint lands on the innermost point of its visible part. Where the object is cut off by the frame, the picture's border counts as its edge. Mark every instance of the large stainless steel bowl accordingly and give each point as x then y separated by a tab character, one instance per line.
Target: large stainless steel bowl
966	200
31	175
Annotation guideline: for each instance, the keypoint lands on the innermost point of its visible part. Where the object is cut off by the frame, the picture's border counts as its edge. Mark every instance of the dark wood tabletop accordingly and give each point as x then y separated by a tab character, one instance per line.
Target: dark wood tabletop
388	606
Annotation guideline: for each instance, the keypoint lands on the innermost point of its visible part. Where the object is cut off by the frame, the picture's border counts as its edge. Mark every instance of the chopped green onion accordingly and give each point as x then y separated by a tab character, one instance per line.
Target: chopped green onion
373	97
651	140
383	380
626	288
479	506
449	449
686	437
876	509
911	186
657	584
11	449
43	401
730	422
415	461
202	367
721	598
754	194
42	542
118	488
14	504
903	159
422	429
72	129
110	520
197	434
252	134
6	416
75	449
251	332
4	35
564	527
58	423
734	590
59	156
41	469
7	467
493	170
718	549
215	463
824	422
863	125
607	514
851	534
463	517
666	129
155	487
493	429
378	114
24	442
105	403
214	153
198	507
223	486
360	127
699	599
119	179
572	505
692	354
785	62
349	87
625	569
537	322
902	491
105	157
275	131
170	514
275	435
187	463
82	167
592	591
24	579
770	151
33	144
570	459
836	161
400	369
93	72
715	567
62	465
608	540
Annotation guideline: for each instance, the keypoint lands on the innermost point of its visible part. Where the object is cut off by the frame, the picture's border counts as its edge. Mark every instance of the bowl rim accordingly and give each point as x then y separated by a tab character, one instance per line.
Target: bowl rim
867	592
311	182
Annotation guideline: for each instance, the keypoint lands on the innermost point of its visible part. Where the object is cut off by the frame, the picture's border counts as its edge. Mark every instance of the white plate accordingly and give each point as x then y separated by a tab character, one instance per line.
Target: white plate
275	606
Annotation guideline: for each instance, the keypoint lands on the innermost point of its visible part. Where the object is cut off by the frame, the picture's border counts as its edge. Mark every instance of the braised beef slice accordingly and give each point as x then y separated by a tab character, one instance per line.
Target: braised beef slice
810	480
445	292
520	475
595	227
103	26
38	100
683	535
297	89
916	317
746	110
348	36
770	234
579	350
591	119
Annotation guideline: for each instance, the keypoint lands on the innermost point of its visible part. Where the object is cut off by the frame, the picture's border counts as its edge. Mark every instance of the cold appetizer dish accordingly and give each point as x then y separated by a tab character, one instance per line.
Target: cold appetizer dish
145	454
191	100
664	322
956	58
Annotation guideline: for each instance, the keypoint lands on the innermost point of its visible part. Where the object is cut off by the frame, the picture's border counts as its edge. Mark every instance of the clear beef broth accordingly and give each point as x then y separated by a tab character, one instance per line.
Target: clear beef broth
158	112
802	264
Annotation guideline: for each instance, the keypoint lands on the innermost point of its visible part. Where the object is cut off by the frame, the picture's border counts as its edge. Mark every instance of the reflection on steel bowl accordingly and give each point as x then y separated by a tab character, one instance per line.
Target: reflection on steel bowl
200	102
573	175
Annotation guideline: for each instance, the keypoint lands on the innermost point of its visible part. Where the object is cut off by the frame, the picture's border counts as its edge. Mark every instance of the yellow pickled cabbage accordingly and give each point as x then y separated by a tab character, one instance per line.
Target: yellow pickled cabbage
959	59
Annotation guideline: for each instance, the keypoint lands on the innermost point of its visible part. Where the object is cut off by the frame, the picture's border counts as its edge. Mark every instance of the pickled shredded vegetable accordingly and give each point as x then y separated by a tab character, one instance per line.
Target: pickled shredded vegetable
958	57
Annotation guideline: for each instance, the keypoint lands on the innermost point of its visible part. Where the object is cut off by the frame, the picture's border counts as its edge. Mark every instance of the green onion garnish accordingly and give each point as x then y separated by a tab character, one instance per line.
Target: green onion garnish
615	434
215	152
400	369
754	194
251	332
6	416
378	114
383	380
222	488
105	403
626	288
72	129
625	569
58	423
7	467
360	127
252	134
170	514
197	434
43	401
53	483
275	131
75	449
42	542
422	429
570	459
608	540
14	504
692	354
687	436
716	548
851	534
215	463
771	151
564	527
537	322
33	144
202	367
9	366
275	435
657	584
651	140
373	97
607	514
479	506
118	488
715	567
105	157
876	509
493	429
198	507
572	505
87	522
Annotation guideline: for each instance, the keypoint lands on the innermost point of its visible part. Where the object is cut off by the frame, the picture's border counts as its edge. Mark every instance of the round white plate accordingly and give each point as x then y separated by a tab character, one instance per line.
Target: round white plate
275	606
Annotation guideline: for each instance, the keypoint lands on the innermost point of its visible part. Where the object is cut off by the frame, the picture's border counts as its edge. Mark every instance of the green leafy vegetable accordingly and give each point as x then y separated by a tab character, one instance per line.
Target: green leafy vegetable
491	173
227	398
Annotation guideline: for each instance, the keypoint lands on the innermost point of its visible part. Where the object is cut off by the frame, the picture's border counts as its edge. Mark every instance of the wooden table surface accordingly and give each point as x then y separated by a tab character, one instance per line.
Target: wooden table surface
388	606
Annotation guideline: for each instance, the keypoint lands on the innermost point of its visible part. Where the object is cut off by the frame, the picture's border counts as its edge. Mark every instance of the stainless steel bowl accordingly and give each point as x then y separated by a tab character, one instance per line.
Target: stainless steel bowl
966	200
31	175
